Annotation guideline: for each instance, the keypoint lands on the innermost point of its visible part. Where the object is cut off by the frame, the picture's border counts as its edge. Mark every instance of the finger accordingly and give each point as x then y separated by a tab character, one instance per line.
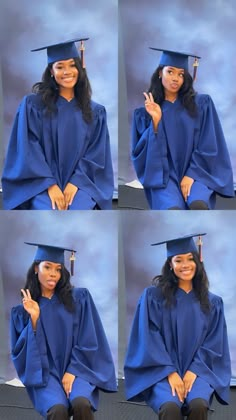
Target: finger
23	293
151	97
146	96
53	204
28	294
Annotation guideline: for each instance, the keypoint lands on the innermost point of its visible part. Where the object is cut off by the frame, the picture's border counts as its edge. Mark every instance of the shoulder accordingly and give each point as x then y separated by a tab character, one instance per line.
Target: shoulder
203	100
141	113
33	100
80	294
153	293
97	108
19	314
141	118
215	300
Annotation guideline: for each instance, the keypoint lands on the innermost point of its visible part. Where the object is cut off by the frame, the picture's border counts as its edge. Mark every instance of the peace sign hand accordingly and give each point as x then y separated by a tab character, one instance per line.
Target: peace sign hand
31	306
153	109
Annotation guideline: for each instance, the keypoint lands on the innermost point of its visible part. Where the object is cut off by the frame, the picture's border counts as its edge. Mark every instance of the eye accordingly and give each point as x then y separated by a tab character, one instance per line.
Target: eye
170	71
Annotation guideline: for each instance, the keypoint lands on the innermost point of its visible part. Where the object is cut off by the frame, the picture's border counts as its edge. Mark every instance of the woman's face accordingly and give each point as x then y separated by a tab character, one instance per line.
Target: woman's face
184	267
49	274
65	73
172	79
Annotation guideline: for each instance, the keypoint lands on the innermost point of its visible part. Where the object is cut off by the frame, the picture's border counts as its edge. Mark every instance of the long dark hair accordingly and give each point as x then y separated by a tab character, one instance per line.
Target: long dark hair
49	90
63	288
168	283
186	93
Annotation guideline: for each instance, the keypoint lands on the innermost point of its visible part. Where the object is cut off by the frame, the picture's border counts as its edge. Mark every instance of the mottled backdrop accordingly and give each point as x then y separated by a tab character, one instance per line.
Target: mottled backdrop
92	234
142	261
28	24
204	27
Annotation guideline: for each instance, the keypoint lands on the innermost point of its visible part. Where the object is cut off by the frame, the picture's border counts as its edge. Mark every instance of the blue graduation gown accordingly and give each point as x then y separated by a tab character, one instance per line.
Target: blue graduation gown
56	149
165	340
182	146
63	342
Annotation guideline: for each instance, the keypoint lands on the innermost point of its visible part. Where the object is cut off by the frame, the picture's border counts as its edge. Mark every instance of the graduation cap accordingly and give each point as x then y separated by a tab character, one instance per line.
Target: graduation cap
64	50
177	59
183	245
53	253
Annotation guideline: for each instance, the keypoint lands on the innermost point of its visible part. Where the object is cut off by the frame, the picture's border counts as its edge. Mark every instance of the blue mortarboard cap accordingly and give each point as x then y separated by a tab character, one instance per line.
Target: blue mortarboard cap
63	50
182	245
52	253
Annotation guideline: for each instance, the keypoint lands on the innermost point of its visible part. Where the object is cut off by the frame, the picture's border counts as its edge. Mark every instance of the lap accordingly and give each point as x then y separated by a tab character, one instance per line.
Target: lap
171	196
45	397
160	393
81	201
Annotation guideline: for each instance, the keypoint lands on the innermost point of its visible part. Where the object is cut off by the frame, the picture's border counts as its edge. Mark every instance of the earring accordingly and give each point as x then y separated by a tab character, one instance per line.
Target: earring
171	268
51	75
159	77
35	273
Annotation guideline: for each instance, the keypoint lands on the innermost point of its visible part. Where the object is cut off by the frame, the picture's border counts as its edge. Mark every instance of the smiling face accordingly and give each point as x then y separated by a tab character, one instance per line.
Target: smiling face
184	268
172	80
49	274
65	73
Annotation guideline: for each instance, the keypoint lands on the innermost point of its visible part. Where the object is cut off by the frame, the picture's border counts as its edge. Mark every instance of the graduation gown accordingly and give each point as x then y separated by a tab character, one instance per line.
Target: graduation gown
57	149
63	342
183	145
165	340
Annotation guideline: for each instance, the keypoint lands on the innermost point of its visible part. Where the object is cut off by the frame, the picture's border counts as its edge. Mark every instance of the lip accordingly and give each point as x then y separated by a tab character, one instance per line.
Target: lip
174	85
51	283
68	79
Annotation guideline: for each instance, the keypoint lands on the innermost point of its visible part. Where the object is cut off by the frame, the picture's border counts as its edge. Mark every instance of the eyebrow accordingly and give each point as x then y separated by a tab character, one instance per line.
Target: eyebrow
62	62
180	255
51	263
173	68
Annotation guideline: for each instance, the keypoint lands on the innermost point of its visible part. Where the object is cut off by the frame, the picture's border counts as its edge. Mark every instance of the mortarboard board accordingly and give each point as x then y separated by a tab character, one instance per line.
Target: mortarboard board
177	59
182	245
53	253
64	50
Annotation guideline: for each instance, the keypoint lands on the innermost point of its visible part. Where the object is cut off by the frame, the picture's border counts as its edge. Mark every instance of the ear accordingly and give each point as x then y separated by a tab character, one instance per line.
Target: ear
36	268
160	74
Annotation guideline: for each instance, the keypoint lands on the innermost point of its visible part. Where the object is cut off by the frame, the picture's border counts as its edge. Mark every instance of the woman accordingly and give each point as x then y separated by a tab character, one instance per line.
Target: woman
59	347
178	355
59	152
178	147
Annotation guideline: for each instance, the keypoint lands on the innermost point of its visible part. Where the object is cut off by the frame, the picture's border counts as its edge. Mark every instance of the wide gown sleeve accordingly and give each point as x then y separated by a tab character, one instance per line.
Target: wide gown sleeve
26	172
212	360
91	357
210	162
94	172
149	151
147	360
28	349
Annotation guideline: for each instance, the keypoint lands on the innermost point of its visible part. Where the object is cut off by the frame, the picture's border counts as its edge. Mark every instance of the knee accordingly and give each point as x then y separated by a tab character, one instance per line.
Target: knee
82	406
169	410
198	406
57	412
198	205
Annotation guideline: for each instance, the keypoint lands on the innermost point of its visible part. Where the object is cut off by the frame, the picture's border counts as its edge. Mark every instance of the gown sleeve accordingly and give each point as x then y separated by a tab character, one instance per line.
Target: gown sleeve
149	151
210	162
212	360
91	357
94	172
147	360
26	172
28	349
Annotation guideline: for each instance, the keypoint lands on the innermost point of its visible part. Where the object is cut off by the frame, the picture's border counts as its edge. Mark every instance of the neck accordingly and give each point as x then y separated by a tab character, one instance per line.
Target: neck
68	94
186	286
47	295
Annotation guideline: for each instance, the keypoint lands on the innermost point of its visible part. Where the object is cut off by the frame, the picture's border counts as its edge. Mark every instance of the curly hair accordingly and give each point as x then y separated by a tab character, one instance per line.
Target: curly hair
186	93
63	289
49	90
168	283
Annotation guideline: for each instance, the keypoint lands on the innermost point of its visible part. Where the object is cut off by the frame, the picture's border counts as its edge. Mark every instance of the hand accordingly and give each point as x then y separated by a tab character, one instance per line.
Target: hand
188	381
186	185
31	306
153	109
67	382
177	385
56	197
69	193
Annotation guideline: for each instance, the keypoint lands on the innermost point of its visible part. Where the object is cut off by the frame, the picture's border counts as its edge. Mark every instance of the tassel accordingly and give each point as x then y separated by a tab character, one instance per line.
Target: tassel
82	49
72	262
200	243
195	66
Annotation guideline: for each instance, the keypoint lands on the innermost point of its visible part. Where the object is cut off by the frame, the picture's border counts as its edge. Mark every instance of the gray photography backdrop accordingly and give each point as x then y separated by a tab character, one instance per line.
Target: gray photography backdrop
205	28
92	234
27	24
141	261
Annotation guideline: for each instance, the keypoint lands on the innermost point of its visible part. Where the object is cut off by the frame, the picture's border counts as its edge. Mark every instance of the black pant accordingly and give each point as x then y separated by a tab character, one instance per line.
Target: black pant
197	410
81	410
